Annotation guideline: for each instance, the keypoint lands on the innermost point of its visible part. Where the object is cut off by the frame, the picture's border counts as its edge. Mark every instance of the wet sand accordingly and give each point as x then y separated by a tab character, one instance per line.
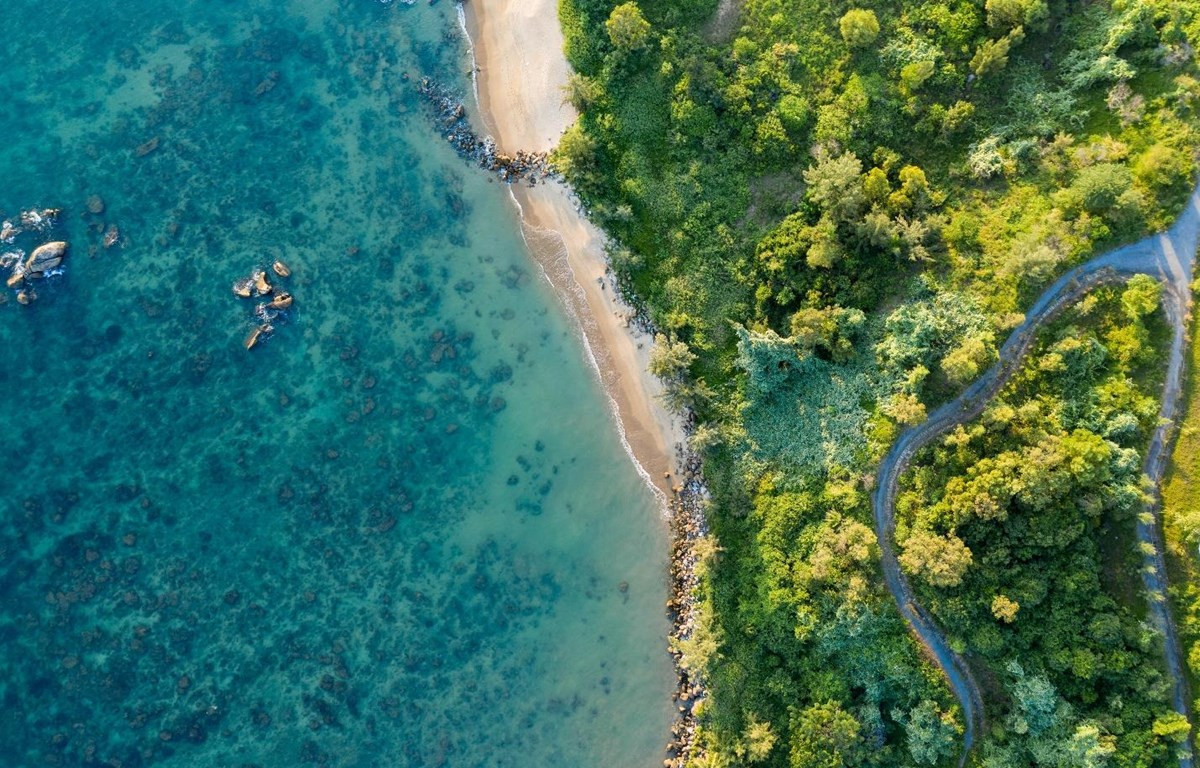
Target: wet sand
518	48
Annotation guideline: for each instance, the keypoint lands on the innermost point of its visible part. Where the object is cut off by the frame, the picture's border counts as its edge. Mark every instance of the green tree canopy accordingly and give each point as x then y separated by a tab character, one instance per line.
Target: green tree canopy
1100	185
1141	296
932	734
824	736
859	27
627	27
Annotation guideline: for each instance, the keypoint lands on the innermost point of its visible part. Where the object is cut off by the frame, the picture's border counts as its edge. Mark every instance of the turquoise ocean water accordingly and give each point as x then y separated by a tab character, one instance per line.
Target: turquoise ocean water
400	532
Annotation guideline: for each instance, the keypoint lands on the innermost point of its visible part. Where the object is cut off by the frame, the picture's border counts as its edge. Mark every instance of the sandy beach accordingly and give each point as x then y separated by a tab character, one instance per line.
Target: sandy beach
518	49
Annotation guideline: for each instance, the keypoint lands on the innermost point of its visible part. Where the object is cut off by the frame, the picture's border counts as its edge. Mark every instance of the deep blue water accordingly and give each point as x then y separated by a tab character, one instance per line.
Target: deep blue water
399	532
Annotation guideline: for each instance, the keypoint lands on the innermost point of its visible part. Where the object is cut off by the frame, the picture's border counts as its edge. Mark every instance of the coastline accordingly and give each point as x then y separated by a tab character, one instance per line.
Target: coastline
520	72
520	69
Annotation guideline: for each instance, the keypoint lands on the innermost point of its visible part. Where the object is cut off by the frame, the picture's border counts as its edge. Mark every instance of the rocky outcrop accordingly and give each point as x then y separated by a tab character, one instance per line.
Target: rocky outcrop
45	258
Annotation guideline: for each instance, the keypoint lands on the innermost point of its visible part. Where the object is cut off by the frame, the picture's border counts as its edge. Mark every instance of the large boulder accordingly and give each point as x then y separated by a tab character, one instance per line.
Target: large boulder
46	257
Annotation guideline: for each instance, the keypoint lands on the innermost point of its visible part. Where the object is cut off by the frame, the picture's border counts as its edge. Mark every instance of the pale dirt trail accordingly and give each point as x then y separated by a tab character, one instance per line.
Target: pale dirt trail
1168	256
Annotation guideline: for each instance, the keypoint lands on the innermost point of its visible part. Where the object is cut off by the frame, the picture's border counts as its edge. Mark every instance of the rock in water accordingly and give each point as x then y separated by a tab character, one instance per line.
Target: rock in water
261	284
46	257
257	334
281	269
243	287
281	301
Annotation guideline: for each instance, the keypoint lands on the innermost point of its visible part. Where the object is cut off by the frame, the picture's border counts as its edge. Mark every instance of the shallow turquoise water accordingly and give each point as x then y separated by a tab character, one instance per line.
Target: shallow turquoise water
401	532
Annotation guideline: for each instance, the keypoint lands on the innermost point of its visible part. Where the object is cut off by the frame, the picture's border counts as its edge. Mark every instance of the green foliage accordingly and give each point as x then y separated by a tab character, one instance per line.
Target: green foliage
1005	527
758	741
575	154
859	27
834	184
824	736
964	363
992	55
938	560
1172	726
1009	14
627	27
839	226
1141	297
670	359
1101	186
933	735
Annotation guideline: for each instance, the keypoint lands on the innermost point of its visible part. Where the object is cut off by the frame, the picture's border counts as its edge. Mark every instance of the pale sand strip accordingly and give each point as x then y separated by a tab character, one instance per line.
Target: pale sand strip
518	48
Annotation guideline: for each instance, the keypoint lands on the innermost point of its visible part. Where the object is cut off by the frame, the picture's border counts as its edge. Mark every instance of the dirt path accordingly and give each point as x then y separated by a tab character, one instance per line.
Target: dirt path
1168	256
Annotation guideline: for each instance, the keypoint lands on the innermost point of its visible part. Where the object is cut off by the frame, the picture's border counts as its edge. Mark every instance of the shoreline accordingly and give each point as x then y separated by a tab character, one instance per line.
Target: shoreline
519	70
520	65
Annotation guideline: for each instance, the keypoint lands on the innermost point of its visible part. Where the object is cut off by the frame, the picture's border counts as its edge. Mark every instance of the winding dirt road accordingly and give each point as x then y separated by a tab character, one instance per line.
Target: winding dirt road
1168	256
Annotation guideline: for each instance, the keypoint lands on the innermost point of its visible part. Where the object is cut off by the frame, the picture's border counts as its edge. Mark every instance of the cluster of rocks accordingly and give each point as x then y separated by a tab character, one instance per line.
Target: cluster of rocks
265	312
688	526
109	233
44	261
451	116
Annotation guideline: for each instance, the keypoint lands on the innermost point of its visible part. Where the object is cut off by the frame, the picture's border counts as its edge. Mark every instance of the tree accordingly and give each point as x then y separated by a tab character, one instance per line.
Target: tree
876	186
914	75
757	741
1172	727
1007	14
581	92
835	184
771	140
859	27
825	250
824	736
1005	609
963	363
992	55
1141	296
940	560
1099	186
669	360
905	408
1089	747
932	735
627	27
793	112
575	155
1037	701
832	328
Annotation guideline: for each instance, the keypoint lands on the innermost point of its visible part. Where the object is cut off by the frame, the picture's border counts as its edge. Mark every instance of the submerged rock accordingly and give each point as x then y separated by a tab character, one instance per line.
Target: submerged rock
257	334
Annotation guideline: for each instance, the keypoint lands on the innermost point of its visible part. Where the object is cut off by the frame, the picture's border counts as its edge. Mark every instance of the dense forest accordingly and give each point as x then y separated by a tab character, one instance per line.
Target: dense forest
833	213
1018	532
